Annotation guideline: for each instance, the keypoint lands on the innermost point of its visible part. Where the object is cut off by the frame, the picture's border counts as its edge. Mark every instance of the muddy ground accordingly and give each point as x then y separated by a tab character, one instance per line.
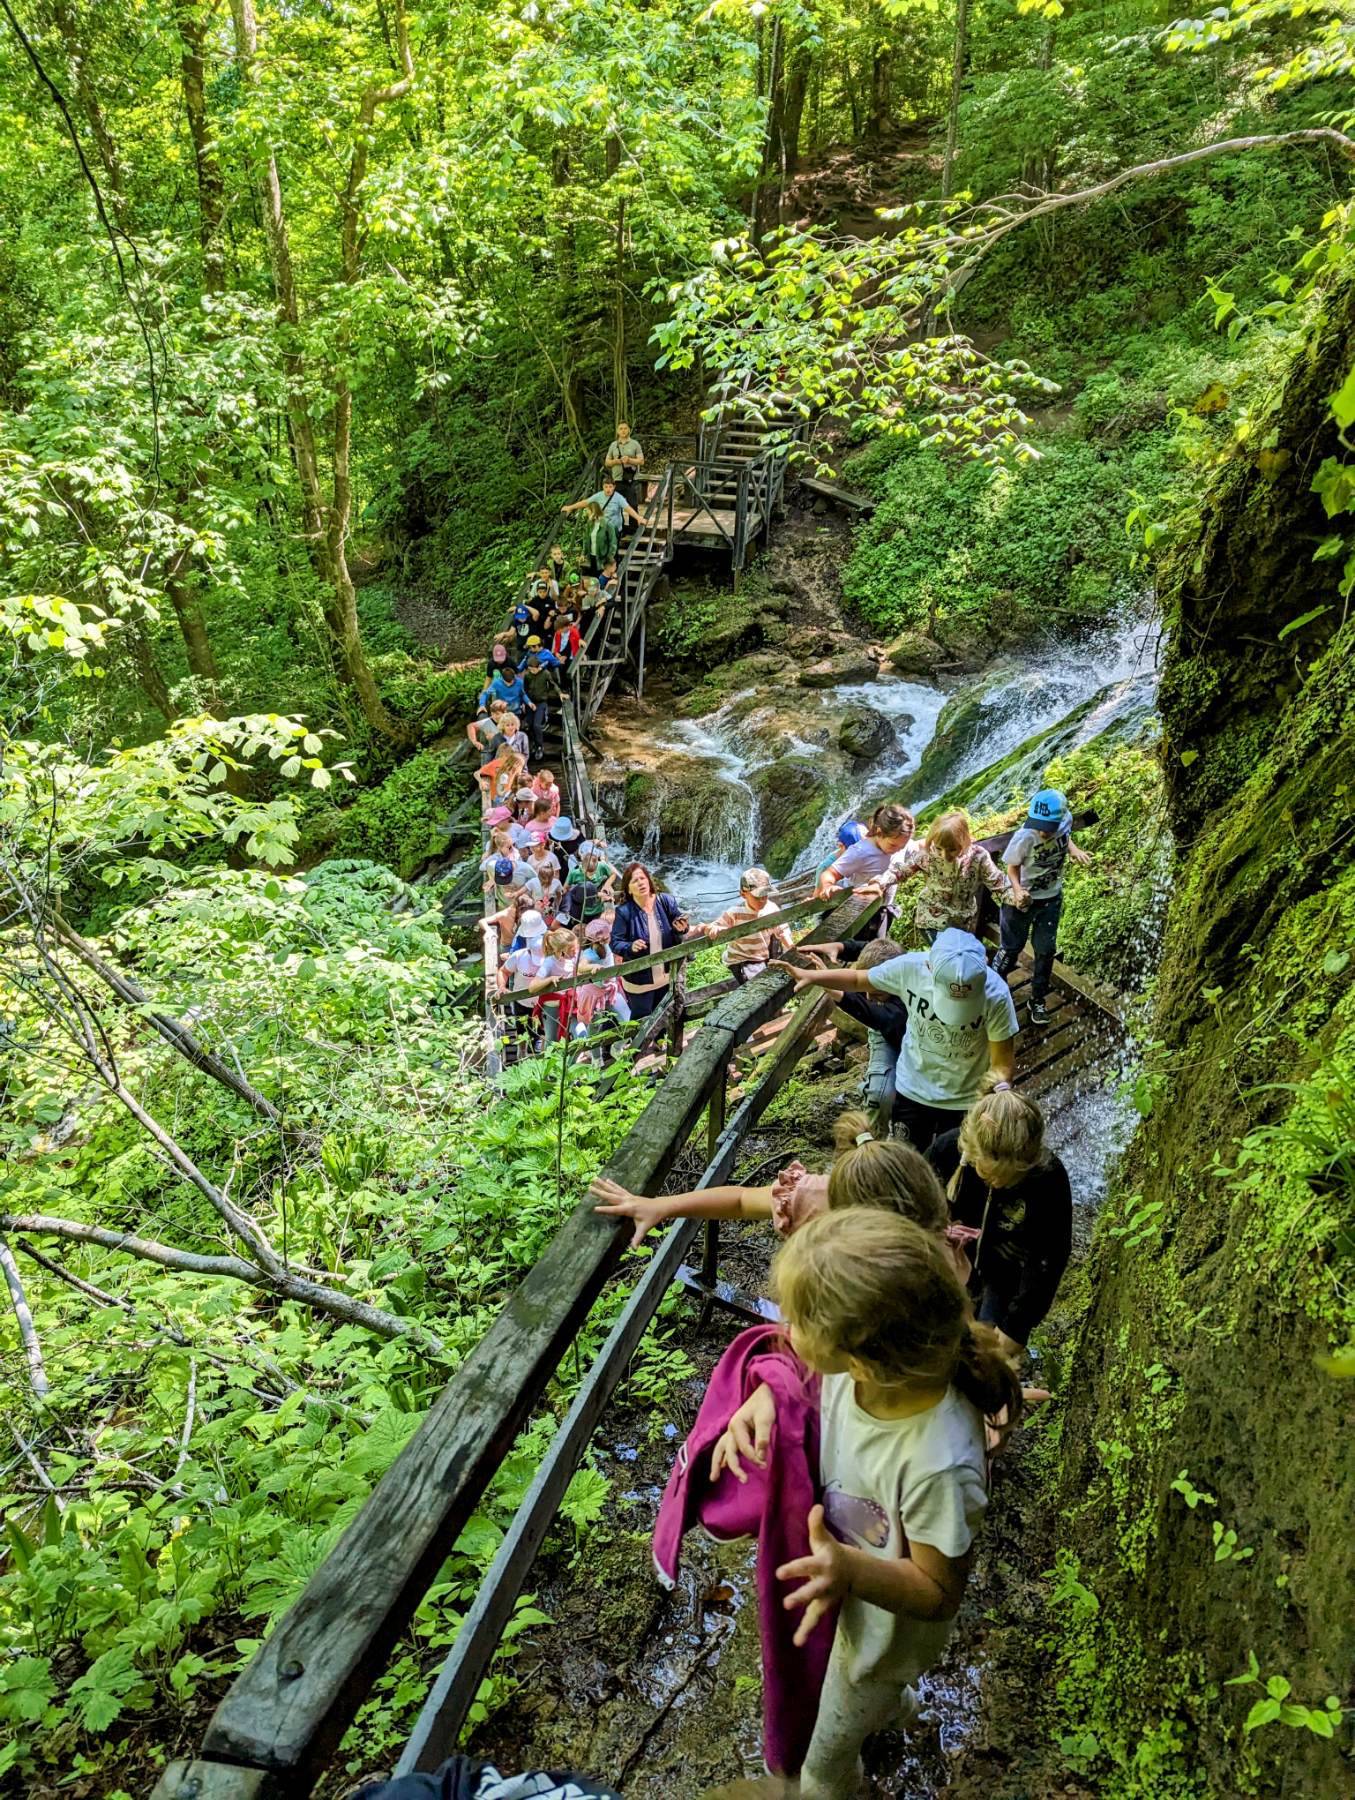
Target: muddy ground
660	1694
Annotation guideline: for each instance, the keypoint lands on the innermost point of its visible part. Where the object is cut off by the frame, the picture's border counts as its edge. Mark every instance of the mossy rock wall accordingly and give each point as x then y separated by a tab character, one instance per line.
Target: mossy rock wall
1223	1266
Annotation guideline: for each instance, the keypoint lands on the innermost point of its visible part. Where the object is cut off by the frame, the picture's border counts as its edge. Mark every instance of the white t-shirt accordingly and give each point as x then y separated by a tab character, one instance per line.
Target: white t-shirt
942	1065
524	965
889	1483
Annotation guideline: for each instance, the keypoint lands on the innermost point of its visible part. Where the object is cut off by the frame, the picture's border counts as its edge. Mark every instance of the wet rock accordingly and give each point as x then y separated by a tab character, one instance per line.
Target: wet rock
865	733
793	795
913	653
849	665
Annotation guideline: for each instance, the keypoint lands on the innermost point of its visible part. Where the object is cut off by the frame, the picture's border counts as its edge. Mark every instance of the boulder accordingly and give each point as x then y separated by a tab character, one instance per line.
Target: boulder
793	796
914	654
849	665
865	733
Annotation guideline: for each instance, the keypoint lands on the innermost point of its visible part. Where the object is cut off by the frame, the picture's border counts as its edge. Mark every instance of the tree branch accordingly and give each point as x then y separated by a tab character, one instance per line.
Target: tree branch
28	1333
176	1034
278	1280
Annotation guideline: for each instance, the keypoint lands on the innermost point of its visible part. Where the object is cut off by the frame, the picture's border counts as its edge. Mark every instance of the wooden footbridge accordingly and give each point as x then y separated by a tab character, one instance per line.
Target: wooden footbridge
280	1723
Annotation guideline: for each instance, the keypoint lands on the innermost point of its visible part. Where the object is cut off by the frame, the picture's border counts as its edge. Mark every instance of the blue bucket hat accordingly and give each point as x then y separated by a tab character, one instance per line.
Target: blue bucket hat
849	832
562	829
1047	810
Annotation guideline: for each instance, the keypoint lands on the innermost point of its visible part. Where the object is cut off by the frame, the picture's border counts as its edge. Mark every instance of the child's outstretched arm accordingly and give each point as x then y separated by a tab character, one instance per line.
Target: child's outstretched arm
922	1585
711	1203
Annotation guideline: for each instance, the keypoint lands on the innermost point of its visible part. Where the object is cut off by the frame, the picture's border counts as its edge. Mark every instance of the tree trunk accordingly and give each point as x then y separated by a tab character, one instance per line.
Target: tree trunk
957	69
325	521
881	86
766	211
792	116
149	677
88	100
192	33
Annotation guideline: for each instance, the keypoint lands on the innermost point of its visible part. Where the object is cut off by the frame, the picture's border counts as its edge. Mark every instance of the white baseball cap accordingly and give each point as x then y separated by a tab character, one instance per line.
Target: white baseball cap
960	974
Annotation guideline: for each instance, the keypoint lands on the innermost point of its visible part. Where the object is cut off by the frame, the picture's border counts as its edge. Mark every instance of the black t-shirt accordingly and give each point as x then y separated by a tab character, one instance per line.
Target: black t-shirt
1027	1234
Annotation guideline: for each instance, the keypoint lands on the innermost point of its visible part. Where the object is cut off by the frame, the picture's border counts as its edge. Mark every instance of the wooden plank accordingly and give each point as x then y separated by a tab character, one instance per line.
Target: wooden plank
1051	1046
183	1780
1085	1056
287	1711
833	490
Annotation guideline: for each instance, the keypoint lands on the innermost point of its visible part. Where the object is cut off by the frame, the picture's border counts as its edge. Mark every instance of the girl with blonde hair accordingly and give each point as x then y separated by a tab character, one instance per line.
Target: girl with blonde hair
952	873
1015	1196
872	1303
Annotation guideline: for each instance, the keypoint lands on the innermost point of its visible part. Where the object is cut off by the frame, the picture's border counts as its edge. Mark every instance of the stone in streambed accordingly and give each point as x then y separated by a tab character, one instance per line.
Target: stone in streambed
850	665
913	653
793	796
865	733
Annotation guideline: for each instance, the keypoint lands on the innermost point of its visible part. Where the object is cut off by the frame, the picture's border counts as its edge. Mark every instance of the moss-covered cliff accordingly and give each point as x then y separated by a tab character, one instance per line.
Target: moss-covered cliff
1205	1467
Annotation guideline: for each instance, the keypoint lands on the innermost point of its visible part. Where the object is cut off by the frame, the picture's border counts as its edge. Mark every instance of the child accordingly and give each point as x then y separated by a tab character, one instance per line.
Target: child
513	734
872	858
539	824
558	964
520	967
486	732
500	844
565	643
747	957
951	871
1016	1199
546	871
872	1302
603	995
544	787
1035	858
502	776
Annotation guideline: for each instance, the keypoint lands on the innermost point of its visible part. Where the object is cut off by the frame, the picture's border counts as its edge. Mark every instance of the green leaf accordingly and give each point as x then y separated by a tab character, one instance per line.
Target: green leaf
1334	961
1342	402
1188	757
1303	619
26	1687
1265	1712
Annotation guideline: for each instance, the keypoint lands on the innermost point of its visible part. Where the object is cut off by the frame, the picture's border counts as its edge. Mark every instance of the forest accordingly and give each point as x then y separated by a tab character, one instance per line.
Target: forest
991	366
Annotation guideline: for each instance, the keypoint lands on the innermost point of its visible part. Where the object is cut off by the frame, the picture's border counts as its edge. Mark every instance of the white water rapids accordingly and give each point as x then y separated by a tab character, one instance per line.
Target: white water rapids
1036	692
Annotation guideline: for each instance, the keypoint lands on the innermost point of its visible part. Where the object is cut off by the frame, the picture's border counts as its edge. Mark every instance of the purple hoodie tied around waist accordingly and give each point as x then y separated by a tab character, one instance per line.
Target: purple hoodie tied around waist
773	1506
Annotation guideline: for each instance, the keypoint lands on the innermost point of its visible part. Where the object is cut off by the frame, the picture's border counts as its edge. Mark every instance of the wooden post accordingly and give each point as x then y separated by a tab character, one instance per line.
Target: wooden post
715	1124
677	1001
640	660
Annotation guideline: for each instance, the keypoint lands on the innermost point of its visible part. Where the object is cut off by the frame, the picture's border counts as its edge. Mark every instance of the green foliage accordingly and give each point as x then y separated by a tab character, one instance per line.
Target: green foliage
400	821
973	555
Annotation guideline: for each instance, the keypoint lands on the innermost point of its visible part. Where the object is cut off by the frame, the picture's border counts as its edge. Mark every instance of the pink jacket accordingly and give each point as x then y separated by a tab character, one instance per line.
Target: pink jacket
774	1504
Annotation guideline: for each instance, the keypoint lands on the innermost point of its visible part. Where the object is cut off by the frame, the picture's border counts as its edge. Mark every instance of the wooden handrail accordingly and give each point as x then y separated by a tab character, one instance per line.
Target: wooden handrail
288	1709
804	909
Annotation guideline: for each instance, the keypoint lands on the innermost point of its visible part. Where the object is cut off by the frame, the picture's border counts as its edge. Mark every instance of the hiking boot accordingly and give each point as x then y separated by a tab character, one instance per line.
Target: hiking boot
1003	964
1038	1011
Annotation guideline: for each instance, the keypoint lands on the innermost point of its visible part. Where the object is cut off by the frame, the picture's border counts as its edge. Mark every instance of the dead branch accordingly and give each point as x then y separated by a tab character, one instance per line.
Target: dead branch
277	1279
28	1332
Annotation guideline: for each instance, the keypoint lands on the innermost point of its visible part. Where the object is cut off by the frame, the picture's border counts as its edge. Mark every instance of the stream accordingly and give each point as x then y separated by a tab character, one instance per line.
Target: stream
980	740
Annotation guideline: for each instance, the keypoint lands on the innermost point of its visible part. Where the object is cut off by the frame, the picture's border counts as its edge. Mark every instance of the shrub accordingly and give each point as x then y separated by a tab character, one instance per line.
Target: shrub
400	823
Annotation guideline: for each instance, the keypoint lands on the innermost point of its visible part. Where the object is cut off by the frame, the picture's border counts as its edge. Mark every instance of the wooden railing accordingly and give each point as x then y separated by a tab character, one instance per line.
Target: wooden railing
282	1719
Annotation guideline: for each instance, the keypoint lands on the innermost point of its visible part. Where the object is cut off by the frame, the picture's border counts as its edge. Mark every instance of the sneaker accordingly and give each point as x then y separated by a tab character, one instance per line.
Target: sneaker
1037	1012
1003	964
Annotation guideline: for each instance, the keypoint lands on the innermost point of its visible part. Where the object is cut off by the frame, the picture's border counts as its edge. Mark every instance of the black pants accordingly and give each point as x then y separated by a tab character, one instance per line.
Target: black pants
537	721
1040	923
644	1000
922	1123
882	1013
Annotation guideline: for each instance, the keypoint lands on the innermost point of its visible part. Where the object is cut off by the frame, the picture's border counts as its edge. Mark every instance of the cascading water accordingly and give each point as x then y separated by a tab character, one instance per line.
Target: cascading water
1075	692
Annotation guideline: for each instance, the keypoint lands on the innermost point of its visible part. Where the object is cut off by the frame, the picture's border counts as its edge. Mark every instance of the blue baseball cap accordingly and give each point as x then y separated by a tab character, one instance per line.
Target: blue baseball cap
959	976
503	868
849	832
1047	810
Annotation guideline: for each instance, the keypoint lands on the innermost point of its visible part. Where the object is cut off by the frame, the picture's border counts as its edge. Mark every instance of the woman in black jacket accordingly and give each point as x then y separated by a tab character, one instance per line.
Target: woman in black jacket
1015	1196
646	920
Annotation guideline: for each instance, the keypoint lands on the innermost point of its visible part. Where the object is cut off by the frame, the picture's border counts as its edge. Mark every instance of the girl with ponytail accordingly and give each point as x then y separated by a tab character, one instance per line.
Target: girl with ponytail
1014	1197
872	1303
